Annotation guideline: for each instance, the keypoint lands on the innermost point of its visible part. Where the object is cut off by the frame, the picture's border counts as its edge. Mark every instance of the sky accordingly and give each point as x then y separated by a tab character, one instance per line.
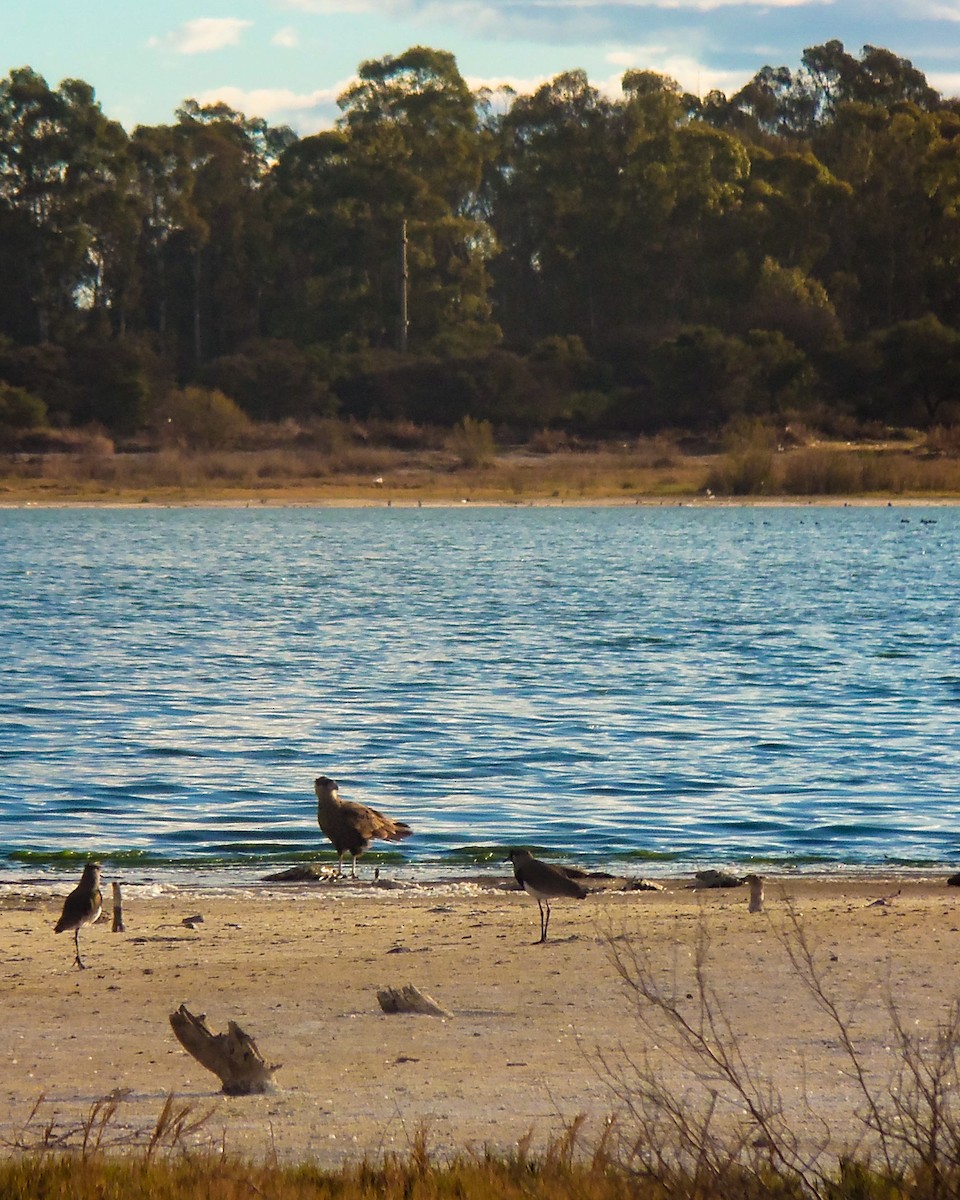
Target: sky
288	60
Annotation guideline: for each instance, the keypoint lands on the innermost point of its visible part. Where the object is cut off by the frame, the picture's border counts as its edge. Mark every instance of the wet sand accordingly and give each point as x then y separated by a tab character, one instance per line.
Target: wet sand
538	1033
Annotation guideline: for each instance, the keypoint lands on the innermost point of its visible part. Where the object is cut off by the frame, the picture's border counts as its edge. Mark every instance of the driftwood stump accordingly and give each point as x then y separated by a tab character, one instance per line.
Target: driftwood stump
410	999
232	1056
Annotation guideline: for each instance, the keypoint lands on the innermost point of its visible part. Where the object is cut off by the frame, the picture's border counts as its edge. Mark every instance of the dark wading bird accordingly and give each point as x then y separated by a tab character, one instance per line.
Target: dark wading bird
544	882
352	827
82	906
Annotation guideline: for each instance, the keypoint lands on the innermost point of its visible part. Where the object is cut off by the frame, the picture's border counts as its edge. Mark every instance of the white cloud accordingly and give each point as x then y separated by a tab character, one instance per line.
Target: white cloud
287	37
522	86
477	12
692	75
947	83
330	8
942	12
697	5
203	35
305	112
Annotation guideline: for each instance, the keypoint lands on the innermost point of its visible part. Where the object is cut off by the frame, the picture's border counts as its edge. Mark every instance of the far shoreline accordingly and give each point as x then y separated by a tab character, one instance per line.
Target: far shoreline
360	501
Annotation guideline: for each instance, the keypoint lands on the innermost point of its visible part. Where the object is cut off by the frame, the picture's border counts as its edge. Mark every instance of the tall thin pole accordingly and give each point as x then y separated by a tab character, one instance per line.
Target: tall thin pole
404	282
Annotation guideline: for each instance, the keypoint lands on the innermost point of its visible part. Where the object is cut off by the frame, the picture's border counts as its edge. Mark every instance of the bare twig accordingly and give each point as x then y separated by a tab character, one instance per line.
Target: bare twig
700	1039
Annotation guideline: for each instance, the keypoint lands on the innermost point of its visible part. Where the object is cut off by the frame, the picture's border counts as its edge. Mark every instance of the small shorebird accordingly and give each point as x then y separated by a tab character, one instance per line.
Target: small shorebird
544	882
82	906
352	827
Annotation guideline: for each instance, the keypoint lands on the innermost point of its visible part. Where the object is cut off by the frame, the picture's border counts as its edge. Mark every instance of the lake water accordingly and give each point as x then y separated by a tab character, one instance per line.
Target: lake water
656	688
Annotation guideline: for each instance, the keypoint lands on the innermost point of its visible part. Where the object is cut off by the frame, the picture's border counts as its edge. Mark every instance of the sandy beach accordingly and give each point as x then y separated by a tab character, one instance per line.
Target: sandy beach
535	1032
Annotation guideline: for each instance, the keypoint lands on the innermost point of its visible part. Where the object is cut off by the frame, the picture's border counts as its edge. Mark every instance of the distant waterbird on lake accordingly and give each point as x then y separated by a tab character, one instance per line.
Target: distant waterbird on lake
82	907
350	826
544	882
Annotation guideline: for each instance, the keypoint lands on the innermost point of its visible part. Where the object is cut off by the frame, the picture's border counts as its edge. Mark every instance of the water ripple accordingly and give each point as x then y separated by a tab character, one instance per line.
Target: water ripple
643	685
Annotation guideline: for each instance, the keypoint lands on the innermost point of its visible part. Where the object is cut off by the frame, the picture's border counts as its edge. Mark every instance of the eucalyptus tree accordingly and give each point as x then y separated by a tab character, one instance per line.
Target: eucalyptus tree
165	185
405	159
899	236
206	237
550	189
611	213
320	287
778	103
772	105
65	206
790	203
834	77
680	185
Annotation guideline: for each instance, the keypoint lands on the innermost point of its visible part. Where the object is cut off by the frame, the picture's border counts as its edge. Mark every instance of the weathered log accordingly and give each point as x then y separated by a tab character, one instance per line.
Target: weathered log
305	873
232	1056
410	999
716	879
118	926
603	881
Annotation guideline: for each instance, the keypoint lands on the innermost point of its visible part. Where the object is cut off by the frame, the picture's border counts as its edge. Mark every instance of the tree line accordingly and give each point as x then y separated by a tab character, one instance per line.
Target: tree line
562	258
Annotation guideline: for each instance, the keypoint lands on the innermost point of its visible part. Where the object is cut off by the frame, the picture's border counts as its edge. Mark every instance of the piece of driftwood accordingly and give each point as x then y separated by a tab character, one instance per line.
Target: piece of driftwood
603	881
597	881
305	873
232	1056
410	999
711	878
118	926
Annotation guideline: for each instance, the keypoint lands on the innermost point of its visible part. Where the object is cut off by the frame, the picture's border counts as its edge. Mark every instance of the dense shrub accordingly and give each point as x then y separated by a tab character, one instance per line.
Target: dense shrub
113	382
19	409
272	379
200	418
472	442
746	472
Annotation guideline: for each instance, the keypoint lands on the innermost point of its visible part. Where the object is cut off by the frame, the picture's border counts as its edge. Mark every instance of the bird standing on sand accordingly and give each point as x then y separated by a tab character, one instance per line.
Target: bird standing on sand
352	827
82	906
544	882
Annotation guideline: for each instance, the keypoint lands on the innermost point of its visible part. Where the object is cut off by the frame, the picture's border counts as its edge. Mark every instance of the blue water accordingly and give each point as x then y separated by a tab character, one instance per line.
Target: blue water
658	686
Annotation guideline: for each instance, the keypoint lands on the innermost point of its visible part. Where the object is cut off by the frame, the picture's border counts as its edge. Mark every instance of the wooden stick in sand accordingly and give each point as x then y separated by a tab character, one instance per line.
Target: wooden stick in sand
755	883
118	926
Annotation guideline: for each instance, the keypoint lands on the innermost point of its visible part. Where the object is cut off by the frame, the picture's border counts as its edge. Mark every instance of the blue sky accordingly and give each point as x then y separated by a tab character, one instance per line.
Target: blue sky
287	60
